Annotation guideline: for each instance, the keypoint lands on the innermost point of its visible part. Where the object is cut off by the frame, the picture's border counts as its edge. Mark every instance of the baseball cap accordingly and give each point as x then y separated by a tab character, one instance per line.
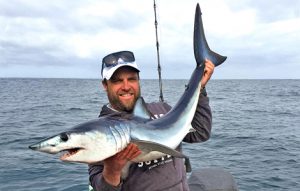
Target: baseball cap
113	61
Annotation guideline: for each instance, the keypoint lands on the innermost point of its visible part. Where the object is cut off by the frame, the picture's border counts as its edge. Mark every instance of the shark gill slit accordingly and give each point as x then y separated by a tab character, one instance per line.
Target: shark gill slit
119	128
114	133
120	133
125	129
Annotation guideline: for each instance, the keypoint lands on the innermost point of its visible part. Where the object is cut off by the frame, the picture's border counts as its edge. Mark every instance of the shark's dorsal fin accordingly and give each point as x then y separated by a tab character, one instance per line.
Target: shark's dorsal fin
148	146
140	109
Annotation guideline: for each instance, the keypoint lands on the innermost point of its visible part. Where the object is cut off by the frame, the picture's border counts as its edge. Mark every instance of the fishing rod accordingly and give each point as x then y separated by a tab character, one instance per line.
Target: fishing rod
161	98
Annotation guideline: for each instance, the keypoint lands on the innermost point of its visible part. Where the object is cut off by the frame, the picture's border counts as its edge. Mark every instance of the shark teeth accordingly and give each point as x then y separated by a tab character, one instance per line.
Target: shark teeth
69	152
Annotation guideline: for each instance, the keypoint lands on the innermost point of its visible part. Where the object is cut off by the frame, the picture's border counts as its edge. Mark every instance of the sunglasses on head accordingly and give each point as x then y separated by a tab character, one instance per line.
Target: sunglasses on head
112	59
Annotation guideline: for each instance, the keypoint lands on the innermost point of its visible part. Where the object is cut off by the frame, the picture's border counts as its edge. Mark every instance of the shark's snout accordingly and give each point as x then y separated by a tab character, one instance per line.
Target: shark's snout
49	145
34	146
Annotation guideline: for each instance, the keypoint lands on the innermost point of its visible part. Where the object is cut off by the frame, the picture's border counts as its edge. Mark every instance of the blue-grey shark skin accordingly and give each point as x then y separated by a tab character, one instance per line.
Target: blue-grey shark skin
201	48
99	139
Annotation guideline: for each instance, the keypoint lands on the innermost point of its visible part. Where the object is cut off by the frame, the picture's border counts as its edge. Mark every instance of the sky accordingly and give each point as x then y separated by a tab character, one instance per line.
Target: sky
68	39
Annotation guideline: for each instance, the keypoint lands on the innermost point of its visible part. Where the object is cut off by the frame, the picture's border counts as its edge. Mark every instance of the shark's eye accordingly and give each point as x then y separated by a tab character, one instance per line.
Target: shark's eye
64	137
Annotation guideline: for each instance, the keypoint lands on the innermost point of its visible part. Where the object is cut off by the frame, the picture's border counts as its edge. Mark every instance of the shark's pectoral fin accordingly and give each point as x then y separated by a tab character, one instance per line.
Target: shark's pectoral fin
125	170
148	146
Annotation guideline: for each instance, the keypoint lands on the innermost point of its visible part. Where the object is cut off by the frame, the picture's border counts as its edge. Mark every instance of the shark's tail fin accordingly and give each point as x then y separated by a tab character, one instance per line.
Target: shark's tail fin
201	48
216	58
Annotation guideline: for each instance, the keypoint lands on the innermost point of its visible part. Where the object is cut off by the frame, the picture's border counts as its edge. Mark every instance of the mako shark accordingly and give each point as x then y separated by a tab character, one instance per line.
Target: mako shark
102	138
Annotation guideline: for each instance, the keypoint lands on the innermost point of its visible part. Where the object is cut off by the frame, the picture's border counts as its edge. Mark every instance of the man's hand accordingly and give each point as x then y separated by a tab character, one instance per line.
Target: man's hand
208	71
113	166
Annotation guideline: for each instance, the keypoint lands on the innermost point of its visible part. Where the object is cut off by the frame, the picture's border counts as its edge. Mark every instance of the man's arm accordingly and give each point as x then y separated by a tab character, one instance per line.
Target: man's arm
202	121
108	176
97	181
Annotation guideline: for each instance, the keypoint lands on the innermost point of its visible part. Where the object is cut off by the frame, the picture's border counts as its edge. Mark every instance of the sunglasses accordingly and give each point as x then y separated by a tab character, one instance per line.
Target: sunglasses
112	59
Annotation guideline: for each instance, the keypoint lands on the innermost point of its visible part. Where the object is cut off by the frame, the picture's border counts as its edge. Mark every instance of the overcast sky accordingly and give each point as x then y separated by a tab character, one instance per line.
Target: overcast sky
68	39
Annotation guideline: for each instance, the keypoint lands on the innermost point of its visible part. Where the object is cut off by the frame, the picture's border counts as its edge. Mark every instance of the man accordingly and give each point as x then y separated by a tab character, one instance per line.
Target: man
120	76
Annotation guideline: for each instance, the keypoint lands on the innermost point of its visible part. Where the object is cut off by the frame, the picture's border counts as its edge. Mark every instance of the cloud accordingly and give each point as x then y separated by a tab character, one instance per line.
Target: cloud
259	38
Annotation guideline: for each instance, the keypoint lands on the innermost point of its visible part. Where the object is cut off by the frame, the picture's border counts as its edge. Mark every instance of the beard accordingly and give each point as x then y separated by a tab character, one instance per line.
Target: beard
123	105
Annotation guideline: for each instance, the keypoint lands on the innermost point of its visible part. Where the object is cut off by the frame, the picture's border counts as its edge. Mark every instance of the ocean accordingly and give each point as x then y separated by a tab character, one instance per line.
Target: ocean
255	135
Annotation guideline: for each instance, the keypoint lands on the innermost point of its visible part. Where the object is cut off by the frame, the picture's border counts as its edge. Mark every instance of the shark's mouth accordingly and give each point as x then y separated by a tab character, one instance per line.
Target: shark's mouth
69	152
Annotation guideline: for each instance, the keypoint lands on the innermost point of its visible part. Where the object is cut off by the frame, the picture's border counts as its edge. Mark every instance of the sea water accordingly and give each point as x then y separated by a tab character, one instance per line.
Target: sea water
255	135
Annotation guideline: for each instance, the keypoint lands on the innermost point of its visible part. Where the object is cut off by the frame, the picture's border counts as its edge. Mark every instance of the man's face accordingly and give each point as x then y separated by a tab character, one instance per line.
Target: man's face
123	89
